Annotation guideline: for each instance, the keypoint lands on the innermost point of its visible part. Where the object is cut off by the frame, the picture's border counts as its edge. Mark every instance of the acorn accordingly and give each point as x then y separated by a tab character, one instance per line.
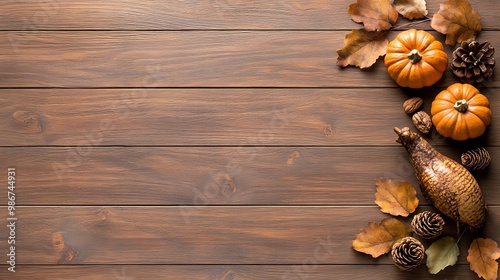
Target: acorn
445	183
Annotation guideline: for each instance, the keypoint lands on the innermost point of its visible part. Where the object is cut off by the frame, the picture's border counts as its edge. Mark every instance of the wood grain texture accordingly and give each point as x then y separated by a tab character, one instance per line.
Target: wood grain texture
236	117
188	59
229	272
210	235
215	176
195	14
168	140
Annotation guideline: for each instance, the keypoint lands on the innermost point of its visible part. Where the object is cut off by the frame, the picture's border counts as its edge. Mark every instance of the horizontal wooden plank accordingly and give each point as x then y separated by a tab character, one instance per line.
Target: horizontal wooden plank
195	14
188	59
237	117
214	176
228	272
212	235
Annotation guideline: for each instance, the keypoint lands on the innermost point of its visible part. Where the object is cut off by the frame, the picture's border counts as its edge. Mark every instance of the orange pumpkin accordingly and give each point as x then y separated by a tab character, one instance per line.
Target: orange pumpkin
415	59
461	112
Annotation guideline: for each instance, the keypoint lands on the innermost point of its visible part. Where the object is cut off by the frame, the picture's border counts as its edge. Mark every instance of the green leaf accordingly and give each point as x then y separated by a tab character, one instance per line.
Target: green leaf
441	254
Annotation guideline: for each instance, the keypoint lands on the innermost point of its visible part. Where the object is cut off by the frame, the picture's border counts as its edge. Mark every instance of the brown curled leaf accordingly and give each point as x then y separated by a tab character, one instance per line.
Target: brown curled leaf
411	9
457	20
376	15
362	48
483	253
376	239
396	198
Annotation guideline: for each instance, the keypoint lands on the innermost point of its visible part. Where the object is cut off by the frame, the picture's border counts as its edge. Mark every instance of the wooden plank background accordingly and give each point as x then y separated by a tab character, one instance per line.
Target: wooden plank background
195	14
216	175
206	139
165	59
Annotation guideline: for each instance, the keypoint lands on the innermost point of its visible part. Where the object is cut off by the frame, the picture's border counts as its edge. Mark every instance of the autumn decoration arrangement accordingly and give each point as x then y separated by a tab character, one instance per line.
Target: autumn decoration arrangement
416	59
455	18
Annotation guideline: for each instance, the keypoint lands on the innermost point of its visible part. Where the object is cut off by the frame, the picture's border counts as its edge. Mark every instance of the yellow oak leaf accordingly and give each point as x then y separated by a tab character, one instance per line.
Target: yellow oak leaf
482	256
377	239
457	20
376	15
411	9
362	48
396	198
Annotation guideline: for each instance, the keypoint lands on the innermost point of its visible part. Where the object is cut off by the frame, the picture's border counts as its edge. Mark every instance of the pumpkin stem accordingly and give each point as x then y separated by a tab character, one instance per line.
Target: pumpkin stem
461	105
414	56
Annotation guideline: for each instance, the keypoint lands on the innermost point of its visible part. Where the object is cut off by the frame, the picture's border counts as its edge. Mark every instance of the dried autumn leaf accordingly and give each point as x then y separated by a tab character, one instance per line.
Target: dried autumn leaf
396	198
457	20
376	15
362	48
483	253
411	9
442	253
377	239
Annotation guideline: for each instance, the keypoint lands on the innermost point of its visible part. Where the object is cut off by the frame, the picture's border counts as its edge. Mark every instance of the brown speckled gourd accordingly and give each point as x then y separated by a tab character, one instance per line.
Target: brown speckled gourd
445	183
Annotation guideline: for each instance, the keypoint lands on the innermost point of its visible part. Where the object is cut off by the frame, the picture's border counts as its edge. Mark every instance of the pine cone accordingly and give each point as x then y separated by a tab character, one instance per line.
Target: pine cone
478	158
407	253
473	62
428	225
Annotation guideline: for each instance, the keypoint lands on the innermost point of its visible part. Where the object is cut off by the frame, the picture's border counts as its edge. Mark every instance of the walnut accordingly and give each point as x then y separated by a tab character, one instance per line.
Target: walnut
422	121
412	105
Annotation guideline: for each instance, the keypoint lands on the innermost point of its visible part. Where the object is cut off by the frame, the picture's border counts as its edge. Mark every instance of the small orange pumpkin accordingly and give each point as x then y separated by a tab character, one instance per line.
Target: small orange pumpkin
461	112
415	59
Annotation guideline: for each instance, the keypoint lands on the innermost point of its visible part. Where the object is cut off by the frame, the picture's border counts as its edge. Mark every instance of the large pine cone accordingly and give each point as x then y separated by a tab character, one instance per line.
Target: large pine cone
478	158
407	253
473	62
427	224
